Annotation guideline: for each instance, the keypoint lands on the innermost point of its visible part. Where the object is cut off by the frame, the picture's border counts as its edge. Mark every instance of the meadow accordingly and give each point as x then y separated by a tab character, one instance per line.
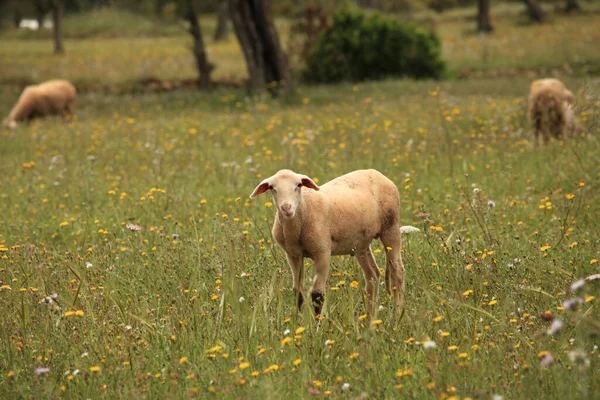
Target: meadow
133	263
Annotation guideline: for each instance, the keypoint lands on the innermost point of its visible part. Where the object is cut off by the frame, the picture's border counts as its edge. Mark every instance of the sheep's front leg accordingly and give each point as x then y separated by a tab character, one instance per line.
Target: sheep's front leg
297	267
318	289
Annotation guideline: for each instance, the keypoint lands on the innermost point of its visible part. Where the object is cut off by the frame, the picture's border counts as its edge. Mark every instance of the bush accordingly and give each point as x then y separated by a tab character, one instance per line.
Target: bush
357	47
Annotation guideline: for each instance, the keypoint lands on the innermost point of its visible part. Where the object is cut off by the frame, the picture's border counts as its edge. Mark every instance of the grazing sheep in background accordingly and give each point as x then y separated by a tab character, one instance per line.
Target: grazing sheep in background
341	217
48	98
550	112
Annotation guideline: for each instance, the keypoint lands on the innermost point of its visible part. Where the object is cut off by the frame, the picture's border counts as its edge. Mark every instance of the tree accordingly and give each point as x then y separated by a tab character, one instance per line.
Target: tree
438	5
198	47
41	9
17	17
536	13
572	5
58	7
158	7
483	16
222	29
265	60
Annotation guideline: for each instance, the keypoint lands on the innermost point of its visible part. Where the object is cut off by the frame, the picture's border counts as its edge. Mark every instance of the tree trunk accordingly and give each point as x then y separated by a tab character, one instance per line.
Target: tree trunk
265	60
40	12
17	17
439	6
365	3
222	28
572	5
483	16
535	11
158	8
198	47
57	16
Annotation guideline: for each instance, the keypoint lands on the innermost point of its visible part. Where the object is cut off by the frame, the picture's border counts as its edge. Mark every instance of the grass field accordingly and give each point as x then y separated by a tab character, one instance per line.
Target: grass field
133	263
199	300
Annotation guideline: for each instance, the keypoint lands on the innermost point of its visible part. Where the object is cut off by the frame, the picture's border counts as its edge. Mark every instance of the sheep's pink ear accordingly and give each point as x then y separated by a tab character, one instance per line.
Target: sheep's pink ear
309	183
260	189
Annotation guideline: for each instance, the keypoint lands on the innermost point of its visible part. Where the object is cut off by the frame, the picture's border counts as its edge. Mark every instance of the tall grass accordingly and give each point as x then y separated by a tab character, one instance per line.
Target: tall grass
198	302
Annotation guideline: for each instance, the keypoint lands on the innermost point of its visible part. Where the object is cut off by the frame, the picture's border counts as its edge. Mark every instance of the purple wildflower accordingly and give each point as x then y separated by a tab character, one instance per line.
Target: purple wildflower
133	227
577	284
42	370
571	303
50	299
593	277
175	236
547	360
555	327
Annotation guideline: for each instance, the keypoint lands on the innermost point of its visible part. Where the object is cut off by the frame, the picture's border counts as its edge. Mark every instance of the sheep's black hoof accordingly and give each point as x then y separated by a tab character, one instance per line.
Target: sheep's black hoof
317	301
300	299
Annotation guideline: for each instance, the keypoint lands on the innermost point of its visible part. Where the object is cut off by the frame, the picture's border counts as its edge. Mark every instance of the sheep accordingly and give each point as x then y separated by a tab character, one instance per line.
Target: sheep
340	217
48	98
550	112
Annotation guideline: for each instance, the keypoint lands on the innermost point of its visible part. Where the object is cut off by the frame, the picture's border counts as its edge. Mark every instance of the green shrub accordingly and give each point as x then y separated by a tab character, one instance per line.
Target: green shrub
357	47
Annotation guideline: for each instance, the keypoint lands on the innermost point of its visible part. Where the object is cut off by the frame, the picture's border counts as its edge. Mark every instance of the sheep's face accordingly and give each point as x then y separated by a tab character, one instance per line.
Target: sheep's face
569	98
286	187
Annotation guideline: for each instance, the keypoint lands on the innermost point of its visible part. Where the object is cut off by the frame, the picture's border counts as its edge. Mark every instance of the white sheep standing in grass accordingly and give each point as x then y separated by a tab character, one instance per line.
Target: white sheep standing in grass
550	112
341	217
48	98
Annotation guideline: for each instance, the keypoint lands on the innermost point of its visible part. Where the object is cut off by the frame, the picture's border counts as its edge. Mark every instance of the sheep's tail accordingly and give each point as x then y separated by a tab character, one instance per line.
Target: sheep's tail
408	229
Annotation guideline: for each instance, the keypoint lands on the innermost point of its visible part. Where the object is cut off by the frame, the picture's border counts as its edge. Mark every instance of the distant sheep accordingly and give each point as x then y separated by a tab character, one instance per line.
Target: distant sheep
550	112
341	217
48	98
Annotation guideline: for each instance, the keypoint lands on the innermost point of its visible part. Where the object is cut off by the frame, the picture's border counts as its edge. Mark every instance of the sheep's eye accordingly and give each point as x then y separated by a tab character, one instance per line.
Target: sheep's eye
299	185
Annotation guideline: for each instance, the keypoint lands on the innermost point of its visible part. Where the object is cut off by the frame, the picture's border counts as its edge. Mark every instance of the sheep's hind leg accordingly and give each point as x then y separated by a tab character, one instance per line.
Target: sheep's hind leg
371	274
297	268
394	271
318	289
537	130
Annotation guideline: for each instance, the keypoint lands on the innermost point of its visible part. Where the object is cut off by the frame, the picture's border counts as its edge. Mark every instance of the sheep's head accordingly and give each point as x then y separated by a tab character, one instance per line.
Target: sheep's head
286	187
569	98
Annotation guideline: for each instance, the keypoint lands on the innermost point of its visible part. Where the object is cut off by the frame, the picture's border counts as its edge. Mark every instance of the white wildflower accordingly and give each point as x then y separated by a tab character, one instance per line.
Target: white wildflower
429	345
579	358
408	229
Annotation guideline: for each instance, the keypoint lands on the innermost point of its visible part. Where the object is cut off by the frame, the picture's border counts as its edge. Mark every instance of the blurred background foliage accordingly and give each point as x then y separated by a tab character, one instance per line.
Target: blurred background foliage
161	49
169	9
